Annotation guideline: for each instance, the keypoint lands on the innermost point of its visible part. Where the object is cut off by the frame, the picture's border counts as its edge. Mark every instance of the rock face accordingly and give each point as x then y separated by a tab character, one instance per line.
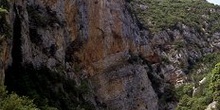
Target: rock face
125	88
5	44
102	41
212	106
96	36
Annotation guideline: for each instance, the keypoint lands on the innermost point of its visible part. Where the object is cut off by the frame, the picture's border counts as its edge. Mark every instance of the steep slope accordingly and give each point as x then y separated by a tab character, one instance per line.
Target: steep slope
53	40
182	31
102	53
202	89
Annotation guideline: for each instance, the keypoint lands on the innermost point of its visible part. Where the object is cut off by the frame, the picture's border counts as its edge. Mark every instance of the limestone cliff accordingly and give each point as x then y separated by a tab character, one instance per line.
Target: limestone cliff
97	37
101	41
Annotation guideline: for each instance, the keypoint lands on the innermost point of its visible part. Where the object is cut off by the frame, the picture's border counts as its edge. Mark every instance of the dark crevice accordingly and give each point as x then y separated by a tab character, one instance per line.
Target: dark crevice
13	71
35	37
167	95
75	46
16	49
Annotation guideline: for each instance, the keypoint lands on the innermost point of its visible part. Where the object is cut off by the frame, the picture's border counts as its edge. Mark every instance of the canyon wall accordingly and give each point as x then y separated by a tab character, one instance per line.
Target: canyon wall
101	41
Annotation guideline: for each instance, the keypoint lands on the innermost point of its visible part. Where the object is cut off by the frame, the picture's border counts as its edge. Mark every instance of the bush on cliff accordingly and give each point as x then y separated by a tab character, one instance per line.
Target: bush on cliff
205	93
14	102
2	10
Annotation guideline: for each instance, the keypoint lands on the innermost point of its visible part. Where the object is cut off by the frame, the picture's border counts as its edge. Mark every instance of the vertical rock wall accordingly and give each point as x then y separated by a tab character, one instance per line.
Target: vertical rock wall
96	36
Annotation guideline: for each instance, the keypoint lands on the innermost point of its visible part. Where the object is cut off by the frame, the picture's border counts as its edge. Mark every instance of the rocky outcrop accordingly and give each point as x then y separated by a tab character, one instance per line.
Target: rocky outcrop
125	87
212	106
180	48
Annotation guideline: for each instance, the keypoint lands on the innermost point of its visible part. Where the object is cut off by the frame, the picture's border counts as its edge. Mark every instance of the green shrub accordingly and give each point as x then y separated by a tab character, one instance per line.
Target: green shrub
162	14
179	44
166	60
207	93
2	10
204	65
186	89
14	102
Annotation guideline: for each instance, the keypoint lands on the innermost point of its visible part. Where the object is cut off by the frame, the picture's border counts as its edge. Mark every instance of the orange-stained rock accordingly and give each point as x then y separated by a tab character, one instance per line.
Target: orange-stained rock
89	38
